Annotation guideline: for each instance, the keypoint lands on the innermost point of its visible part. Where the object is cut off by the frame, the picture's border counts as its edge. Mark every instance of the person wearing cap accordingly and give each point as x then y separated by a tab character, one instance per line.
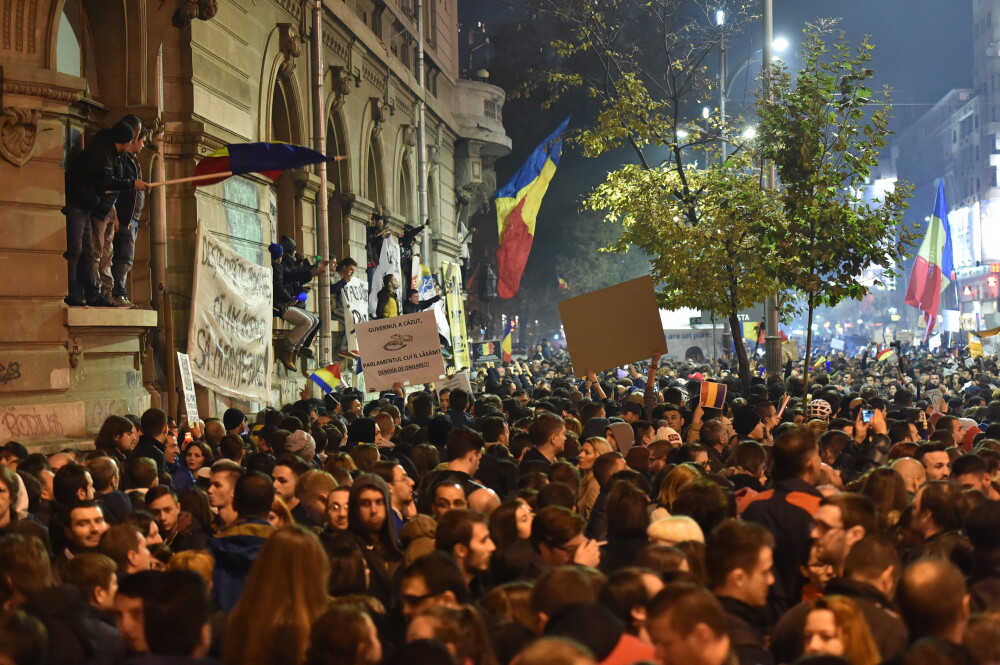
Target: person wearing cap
93	179
235	422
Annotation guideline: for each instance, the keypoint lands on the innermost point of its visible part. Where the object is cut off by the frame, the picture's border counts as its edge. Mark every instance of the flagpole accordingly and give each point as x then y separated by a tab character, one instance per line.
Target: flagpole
425	249
193	178
322	218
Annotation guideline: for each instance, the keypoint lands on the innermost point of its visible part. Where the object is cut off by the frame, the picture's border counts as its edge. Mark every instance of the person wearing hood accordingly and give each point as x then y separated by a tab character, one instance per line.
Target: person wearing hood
369	524
284	303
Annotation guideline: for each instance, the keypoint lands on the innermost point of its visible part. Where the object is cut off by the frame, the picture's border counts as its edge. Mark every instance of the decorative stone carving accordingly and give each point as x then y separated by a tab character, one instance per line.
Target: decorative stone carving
290	45
380	113
18	131
189	10
409	135
341	84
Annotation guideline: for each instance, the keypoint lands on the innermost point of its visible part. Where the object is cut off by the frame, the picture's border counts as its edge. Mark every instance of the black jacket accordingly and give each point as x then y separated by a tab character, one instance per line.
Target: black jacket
282	296
886	626
130	202
787	512
151	448
747	627
94	171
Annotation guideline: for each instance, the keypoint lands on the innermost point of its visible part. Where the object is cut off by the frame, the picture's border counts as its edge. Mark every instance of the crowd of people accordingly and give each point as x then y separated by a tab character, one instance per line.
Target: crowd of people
540	518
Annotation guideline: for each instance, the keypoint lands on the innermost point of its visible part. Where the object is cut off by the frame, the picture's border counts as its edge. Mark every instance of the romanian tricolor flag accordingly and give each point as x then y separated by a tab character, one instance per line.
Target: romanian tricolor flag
267	159
517	209
327	378
508	342
934	267
713	395
563	285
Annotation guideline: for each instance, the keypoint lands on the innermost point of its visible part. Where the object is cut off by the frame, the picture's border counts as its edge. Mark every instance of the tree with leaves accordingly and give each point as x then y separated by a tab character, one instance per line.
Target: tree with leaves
704	223
824	128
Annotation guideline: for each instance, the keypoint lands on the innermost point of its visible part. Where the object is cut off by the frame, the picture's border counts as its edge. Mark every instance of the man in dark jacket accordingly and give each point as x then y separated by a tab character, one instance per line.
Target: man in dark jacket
91	174
128	207
739	558
787	512
152	442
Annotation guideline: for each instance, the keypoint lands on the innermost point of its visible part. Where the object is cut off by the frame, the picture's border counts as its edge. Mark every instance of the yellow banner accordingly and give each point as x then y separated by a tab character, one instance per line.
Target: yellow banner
451	277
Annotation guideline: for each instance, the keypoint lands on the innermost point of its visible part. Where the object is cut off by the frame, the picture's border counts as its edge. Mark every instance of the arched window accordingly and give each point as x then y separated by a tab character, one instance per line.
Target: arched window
284	127
75	46
406	193
376	187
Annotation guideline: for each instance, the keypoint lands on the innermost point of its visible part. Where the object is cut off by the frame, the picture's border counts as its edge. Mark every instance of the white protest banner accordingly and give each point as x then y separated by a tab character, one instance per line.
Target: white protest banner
389	263
425	289
459	380
837	344
354	302
402	349
229	342
187	385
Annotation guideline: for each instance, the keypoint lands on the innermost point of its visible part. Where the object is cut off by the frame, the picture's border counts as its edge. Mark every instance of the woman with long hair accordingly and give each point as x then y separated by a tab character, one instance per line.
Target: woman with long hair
284	595
344	635
628	517
887	490
461	630
510	531
836	627
117	437
678	477
591	449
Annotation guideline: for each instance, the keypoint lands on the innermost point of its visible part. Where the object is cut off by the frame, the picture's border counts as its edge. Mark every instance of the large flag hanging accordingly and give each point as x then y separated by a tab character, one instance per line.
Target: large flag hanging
517	209
268	159
508	341
934	267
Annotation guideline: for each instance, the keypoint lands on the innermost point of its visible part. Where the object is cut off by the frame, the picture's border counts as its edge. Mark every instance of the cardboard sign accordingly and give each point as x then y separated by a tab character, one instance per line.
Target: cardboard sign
459	380
187	385
613	326
403	349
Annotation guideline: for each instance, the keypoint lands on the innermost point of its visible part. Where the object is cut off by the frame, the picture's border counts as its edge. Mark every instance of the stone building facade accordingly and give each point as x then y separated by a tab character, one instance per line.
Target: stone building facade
203	74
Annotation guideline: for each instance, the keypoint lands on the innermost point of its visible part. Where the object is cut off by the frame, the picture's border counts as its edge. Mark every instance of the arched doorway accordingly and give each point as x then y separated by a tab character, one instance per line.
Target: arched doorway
339	185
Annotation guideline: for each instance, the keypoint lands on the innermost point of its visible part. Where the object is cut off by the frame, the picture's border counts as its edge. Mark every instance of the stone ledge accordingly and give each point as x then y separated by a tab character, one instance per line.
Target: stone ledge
109	317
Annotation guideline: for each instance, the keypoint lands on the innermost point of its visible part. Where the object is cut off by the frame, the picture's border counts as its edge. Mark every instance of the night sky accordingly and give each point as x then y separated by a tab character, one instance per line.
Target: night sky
923	50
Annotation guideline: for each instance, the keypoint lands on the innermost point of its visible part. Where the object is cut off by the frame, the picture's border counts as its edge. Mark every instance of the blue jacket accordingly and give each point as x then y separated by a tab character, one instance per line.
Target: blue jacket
234	550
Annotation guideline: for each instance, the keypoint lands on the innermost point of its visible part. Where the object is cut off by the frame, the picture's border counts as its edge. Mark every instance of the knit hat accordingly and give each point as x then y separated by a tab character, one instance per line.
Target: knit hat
745	421
302	444
287	244
232	418
818	408
670	435
361	430
121	132
276	251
